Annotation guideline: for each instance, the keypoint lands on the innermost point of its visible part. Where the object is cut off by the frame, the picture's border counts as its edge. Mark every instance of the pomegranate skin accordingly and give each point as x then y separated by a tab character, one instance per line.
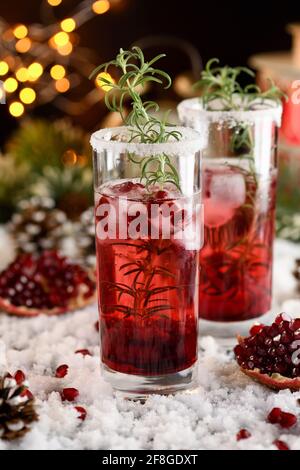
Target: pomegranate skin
274	381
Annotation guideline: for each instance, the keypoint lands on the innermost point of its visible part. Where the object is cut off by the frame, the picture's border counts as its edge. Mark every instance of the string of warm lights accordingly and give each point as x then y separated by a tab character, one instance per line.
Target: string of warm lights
39	64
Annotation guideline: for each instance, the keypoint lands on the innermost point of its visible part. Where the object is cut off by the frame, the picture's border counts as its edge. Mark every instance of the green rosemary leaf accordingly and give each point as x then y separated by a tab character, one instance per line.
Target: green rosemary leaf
143	125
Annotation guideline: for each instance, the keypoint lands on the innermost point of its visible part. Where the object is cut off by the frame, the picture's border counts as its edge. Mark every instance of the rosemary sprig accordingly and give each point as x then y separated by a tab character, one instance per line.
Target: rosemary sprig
221	83
143	124
140	286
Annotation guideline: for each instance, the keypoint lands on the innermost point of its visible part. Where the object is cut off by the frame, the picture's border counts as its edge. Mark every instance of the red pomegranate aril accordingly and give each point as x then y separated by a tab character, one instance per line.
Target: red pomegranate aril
256	329
81	412
97	326
84	352
295	325
287	420
27	393
69	394
161	194
282	317
19	377
243	434
281	445
280	350
274	416
61	371
286	337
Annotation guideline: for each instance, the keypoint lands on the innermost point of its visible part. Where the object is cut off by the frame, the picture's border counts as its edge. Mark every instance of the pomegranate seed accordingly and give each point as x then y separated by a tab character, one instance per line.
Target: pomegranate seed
69	394
295	324
61	371
19	377
161	194
29	394
287	420
274	416
282	317
281	445
81	411
97	326
256	329
243	434
84	352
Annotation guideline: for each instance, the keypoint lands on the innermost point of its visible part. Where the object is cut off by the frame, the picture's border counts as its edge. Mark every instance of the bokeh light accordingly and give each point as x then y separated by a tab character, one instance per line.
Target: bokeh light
35	70
27	95
54	3
100	84
69	158
65	50
61	39
57	72
23	45
68	25
3	68
101	6
16	109
10	85
22	74
20	31
62	85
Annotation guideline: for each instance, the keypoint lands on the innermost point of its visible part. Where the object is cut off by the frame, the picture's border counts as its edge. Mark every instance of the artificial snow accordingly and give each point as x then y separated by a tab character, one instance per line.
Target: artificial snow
208	418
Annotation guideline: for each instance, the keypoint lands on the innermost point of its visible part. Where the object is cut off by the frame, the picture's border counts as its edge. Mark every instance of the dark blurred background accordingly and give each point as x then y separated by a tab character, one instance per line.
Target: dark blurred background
231	31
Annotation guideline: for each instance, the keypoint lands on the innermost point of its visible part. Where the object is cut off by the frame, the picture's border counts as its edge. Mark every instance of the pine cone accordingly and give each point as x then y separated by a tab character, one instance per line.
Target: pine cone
38	225
85	238
16	406
297	273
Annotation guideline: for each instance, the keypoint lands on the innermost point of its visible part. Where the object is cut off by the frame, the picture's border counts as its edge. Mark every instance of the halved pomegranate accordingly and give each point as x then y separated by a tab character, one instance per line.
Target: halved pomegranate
271	354
48	283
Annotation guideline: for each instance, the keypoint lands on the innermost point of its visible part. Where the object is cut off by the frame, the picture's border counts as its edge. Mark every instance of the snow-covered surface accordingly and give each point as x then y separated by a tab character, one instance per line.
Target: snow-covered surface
208	418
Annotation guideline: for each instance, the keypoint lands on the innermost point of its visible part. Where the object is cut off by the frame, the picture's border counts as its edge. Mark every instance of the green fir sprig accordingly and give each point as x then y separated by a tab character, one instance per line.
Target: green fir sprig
143	124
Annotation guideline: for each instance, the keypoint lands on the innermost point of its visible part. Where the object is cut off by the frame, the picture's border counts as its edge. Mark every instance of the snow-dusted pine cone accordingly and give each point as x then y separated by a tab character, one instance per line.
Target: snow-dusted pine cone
38	225
17	410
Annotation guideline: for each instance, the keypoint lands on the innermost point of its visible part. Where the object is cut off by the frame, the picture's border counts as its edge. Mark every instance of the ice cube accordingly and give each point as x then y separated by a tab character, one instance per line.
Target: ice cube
228	188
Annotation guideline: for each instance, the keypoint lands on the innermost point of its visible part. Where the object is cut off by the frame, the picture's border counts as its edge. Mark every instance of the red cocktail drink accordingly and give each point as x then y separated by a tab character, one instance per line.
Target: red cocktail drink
148	286
236	261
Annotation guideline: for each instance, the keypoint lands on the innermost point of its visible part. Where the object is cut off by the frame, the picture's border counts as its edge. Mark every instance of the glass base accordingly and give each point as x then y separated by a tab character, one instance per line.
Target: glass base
138	387
233	328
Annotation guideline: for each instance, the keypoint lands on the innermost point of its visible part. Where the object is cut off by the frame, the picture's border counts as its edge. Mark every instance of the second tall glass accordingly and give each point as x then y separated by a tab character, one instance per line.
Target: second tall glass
239	194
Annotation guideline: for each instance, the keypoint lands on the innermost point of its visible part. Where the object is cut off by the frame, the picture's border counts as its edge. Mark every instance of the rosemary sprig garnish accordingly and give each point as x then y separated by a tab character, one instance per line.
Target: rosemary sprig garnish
221	83
146	299
143	125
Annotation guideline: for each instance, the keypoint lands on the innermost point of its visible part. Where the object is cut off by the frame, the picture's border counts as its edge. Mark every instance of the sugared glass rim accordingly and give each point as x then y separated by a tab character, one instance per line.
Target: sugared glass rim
192	141
193	110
